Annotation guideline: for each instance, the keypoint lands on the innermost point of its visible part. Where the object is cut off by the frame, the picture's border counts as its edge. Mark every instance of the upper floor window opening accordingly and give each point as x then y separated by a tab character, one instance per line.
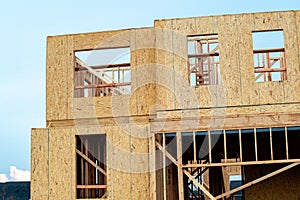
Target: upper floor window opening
102	72
203	60
269	56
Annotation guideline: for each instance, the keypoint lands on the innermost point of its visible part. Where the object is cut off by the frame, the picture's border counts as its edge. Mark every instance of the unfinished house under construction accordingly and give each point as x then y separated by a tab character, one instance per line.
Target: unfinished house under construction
194	108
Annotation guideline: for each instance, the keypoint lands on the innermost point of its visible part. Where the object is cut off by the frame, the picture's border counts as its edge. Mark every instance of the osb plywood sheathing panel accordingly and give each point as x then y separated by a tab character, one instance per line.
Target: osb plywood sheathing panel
101	106
107	39
128	162
61	163
165	97
59	62
230	87
39	164
143	71
291	23
249	92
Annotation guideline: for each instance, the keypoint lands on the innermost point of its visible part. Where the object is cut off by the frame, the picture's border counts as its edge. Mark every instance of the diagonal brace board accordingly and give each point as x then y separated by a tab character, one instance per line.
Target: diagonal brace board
257	180
206	192
91	162
187	173
167	154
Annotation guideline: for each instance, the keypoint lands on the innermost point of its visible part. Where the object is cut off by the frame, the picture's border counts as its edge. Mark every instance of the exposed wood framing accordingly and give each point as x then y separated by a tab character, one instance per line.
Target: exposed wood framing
179	161
257	181
91	162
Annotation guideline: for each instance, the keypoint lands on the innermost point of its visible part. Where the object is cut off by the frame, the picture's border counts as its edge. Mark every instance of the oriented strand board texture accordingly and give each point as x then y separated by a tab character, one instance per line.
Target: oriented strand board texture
60	75
60	67
238	86
159	67
159	82
59	62
39	164
282	186
143	70
61	163
127	161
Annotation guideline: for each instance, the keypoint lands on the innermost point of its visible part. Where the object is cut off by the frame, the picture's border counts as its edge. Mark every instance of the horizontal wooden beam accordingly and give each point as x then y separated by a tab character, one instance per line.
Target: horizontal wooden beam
268	50
203	55
121	65
199	38
241	163
204	123
262	70
91	186
103	85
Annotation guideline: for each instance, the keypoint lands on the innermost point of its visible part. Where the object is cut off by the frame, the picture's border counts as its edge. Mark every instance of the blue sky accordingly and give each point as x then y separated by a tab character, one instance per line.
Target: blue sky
25	26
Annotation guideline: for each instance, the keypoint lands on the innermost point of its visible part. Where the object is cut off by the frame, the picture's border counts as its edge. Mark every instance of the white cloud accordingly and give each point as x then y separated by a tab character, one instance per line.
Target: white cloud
3	178
19	175
15	175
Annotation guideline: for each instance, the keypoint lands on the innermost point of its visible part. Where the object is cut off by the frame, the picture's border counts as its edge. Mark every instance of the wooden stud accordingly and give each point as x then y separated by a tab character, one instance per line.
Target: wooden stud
241	148
225	146
255	143
164	167
271	143
194	147
179	167
286	143
209	147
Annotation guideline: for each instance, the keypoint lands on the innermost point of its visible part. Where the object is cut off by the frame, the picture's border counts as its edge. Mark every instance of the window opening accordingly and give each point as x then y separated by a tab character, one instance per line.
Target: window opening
269	56
203	60
102	72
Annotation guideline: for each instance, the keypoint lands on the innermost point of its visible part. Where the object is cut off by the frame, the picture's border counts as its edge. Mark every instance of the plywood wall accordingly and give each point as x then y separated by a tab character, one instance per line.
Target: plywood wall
53	164
39	164
238	86
60	75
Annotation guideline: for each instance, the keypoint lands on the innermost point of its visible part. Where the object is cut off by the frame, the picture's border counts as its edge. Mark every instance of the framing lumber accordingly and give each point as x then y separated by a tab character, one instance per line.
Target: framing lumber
199	185
241	163
286	143
179	157
167	154
256	181
91	186
91	162
164	165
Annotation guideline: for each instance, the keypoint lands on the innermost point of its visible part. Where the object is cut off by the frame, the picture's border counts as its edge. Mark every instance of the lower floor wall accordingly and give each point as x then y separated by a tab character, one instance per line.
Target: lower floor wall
53	163
130	162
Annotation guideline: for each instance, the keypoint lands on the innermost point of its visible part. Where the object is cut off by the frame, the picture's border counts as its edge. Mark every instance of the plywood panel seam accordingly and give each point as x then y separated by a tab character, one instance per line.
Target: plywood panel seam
239	61
173	67
297	37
